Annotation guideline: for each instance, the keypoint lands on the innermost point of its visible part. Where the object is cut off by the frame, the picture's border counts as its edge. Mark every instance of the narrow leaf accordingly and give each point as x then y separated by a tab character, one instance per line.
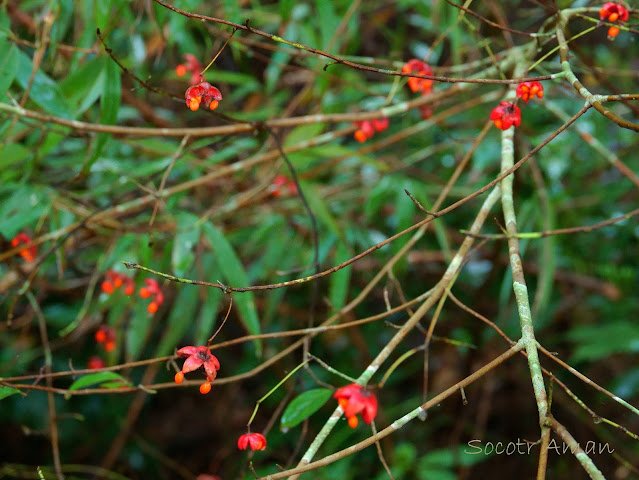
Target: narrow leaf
320	208
110	104
44	91
232	271
7	391
340	280
99	379
8	68
304	406
188	234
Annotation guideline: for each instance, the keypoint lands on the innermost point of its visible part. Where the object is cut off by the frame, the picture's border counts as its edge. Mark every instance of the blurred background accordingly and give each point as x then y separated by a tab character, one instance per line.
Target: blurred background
225	207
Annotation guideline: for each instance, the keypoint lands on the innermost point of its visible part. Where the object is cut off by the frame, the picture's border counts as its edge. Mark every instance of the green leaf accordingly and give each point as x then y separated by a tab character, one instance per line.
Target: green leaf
286	8
8	68
140	325
100	379
304	406
404	210
232	271
303	133
320	209
596	342
22	208
448	458
340	280
110	103
85	84
13	154
188	234
44	91
180	319
232	10
327	20
7	391
205	321
102	11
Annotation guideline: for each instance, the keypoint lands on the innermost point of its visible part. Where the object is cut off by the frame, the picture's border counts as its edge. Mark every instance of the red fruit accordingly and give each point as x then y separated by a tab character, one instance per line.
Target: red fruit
426	111
505	115
354	399
28	254
202	92
416	84
528	90
107	287
365	131
612	12
152	308
254	441
95	362
200	357
380	124
109	346
205	388
179	377
360	136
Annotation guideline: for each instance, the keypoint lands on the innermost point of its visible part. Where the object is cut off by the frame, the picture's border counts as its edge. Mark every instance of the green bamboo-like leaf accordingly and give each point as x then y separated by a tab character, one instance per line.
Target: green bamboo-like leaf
13	155
320	209
44	91
139	327
110	104
328	21
99	379
188	234
286	7
232	10
232	271
340	280
207	316
304	406
21	206
85	85
8	68
180	319
303	133
7	391
102	12
596	342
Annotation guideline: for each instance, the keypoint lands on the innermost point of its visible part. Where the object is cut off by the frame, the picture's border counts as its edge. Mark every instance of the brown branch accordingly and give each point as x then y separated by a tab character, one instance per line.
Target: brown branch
579	87
342	61
215	130
377	246
490	22
559	231
53	421
575	449
401	422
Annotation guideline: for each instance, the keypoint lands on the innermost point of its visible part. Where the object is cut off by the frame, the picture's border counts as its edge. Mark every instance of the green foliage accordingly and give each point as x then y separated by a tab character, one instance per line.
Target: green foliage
91	199
230	268
7	391
99	379
303	406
